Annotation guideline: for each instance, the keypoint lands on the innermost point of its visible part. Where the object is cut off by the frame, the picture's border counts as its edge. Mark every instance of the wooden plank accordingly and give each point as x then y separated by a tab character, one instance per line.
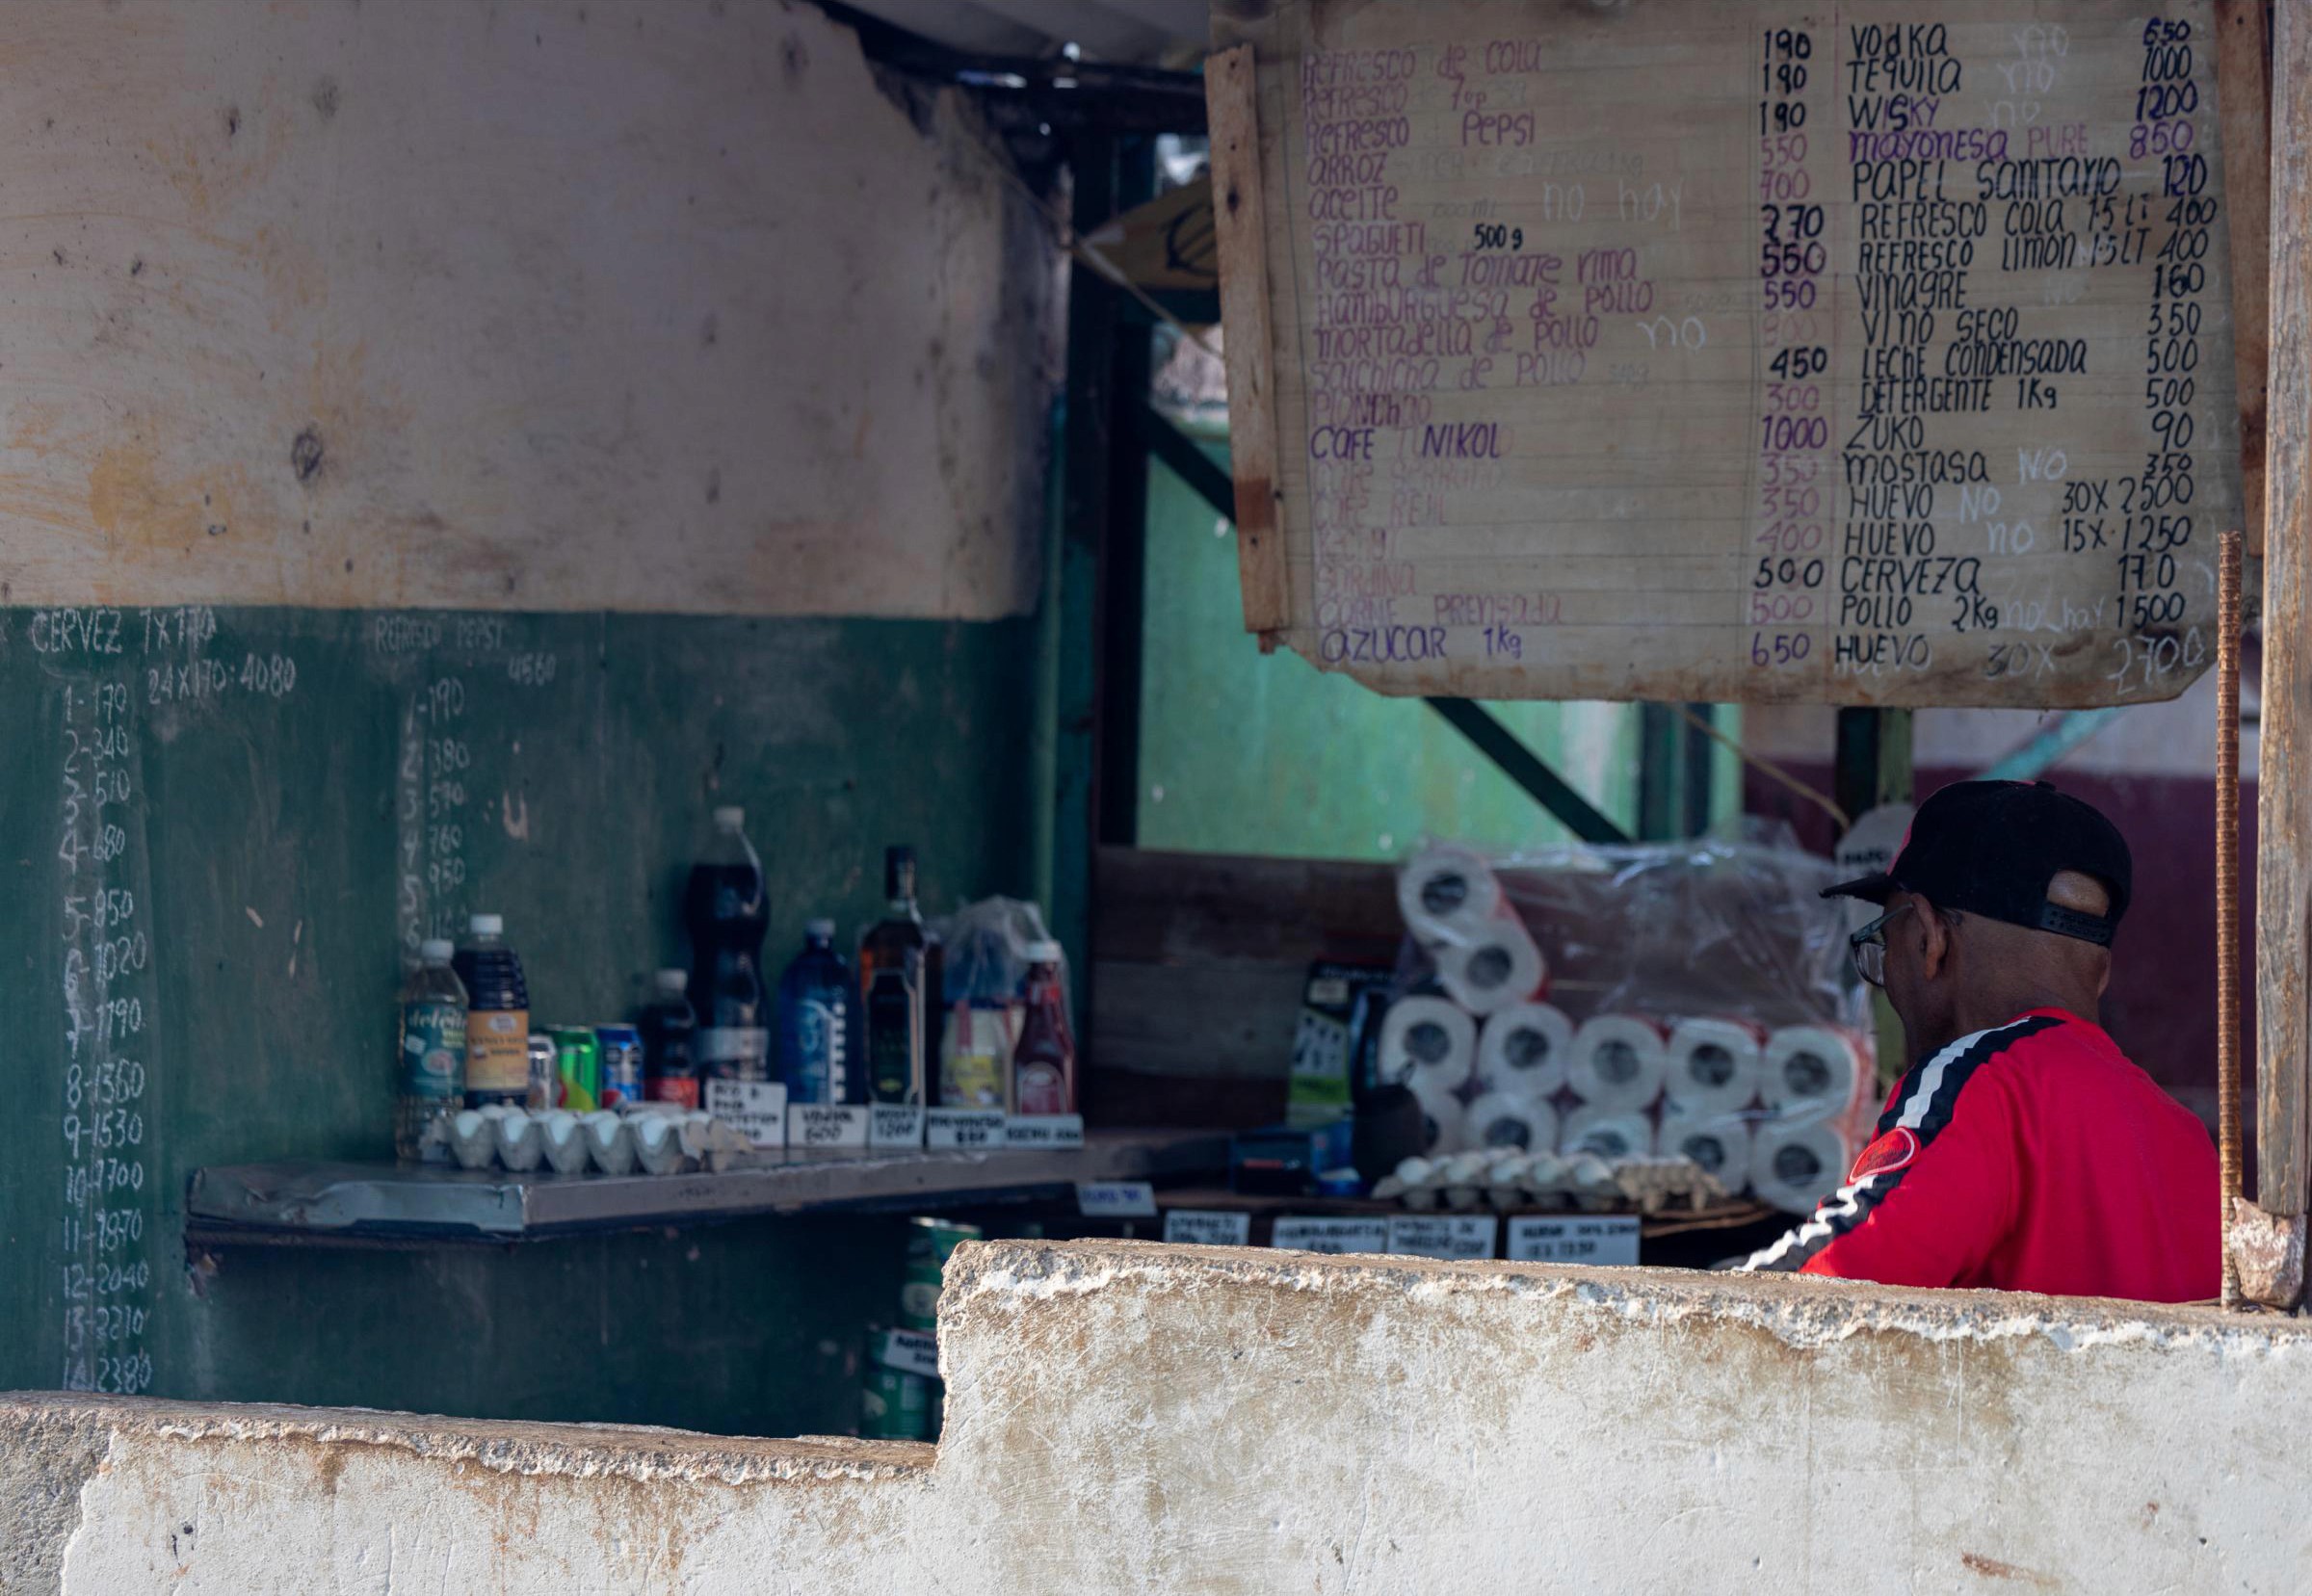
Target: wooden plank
2284	785
1584	387
2242	77
1239	221
1189	908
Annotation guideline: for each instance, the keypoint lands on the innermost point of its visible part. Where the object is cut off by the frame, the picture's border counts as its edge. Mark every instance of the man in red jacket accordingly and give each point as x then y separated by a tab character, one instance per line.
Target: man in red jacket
2022	1150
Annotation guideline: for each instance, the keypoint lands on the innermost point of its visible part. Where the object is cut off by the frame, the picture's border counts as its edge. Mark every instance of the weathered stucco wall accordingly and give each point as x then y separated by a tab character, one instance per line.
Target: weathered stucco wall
626	304
1126	1417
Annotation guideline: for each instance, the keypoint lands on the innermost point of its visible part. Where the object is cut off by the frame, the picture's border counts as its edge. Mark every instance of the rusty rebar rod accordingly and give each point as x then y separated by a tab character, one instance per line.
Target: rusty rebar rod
2228	895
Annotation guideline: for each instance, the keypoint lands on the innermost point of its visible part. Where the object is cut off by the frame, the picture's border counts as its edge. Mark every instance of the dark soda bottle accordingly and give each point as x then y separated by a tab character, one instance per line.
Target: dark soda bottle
669	1061
900	989
1044	1063
727	911
497	1016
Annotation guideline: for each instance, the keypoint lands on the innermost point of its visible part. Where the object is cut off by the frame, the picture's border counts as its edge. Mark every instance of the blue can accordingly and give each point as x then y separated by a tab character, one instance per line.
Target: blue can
621	1065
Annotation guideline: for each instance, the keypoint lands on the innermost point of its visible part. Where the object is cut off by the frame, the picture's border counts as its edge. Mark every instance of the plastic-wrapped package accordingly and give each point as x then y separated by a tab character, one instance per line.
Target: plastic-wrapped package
1705	987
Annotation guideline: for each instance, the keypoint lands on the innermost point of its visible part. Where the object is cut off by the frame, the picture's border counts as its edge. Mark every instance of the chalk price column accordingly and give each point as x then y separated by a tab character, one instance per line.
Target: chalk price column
2155	503
106	950
1787	560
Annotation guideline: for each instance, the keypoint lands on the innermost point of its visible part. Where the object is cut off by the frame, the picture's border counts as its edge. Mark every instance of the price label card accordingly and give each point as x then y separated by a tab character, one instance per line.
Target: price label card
1209	1227
894	1125
911	1352
1443	1235
948	1130
1591	1238
1308	1235
1044	1130
757	1109
826	1125
1116	1199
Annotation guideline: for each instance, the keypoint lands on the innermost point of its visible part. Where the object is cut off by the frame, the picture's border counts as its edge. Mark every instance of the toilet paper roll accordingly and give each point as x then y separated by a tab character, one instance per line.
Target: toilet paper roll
1443	1122
1427	1040
1607	1134
1499	1121
1795	1164
1523	1049
1498	967
1719	1142
1618	1062
1812	1069
1713	1065
1448	893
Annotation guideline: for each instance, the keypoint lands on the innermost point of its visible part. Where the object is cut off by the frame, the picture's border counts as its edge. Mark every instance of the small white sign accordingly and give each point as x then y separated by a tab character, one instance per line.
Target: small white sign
1116	1199
946	1130
1443	1235
911	1352
1604	1239
1310	1235
826	1125
1207	1226
894	1125
1044	1130
757	1109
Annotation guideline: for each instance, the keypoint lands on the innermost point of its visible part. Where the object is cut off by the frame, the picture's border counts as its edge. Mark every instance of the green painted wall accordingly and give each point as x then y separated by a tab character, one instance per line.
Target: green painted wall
1246	753
283	797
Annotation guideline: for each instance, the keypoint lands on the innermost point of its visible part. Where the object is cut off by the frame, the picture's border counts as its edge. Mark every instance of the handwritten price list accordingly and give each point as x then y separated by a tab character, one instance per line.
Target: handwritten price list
1732	352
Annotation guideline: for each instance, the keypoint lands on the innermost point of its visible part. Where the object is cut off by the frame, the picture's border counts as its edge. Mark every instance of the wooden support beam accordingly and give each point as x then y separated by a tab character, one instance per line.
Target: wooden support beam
1248	346
2284	784
1521	765
2242	59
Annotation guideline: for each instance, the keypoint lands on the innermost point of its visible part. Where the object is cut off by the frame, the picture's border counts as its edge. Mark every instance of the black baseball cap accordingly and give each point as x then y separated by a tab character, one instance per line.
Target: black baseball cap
1990	847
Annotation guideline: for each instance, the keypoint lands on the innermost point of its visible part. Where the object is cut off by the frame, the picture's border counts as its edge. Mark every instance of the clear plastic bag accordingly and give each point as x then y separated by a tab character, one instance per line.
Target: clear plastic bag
1701	991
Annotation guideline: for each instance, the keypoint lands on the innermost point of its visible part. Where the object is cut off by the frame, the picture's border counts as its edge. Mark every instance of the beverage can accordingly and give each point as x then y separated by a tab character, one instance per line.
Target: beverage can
930	1241
621	1065
897	1405
545	1081
578	1061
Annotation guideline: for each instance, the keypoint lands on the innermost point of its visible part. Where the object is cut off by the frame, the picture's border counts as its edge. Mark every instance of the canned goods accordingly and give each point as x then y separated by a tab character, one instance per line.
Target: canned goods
928	1243
578	1063
545	1081
621	1065
895	1405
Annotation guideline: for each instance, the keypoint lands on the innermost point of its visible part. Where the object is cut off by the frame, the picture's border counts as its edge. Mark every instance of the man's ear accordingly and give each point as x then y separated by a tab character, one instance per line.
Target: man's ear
1935	943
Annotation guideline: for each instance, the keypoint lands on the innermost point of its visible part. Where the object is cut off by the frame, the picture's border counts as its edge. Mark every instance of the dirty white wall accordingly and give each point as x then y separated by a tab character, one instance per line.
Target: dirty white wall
637	305
1126	1417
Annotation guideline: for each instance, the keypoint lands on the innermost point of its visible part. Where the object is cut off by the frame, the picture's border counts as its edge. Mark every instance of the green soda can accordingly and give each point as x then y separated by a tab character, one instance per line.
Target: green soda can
928	1243
895	1405
578	1061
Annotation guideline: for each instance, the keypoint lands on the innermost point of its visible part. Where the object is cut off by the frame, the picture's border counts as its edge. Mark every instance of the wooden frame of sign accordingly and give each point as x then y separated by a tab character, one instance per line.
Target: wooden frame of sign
1733	352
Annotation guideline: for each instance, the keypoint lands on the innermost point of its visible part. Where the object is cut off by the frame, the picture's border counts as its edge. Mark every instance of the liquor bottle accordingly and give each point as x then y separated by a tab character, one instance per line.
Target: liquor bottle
727	911
900	989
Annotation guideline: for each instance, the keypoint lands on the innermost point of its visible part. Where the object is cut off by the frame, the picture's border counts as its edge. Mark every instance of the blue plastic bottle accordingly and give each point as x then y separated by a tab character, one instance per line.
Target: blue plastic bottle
817	1026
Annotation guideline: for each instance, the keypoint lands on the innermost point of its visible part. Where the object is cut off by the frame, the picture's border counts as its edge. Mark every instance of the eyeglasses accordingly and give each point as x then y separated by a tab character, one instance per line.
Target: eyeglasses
1869	947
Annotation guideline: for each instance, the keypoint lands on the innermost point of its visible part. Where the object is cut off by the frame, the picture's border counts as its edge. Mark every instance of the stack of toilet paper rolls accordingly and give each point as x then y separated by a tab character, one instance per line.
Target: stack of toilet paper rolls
1774	1111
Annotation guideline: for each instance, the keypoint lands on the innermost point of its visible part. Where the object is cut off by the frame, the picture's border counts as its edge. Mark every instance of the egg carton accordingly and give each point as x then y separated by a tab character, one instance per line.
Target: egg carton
1507	1179
653	1141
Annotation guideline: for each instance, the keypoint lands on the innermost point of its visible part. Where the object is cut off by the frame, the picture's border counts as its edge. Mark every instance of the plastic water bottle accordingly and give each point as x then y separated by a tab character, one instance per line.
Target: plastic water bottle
430	1080
727	911
817	1033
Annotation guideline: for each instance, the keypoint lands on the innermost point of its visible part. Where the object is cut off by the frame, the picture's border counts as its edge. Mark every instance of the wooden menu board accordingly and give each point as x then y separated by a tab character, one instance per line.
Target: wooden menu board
1867	354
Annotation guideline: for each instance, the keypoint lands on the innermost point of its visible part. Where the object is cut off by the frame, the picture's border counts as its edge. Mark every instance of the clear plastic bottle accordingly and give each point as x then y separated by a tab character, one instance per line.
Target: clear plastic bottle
430	1070
727	910
816	1028
1043	1062
497	1016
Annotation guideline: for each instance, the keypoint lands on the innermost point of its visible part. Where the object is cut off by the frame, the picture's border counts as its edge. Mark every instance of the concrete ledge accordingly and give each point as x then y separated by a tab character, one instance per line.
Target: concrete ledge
1129	1416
